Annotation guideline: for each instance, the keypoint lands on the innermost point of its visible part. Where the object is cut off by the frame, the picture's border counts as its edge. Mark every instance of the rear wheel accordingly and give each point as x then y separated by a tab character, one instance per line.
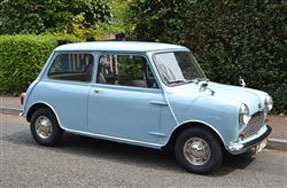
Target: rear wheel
45	128
198	150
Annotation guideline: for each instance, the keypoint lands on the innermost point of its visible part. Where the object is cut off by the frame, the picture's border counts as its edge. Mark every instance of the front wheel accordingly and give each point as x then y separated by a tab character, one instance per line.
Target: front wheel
198	150
45	128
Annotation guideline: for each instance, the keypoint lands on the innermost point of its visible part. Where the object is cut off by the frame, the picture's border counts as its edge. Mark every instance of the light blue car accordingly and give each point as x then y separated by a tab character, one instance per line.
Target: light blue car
147	94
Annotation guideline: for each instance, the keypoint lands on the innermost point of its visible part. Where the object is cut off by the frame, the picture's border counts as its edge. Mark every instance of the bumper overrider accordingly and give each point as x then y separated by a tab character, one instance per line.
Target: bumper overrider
245	145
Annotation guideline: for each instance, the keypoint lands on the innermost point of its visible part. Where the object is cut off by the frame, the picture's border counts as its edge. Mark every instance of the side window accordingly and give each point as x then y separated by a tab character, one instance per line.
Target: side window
126	70
74	67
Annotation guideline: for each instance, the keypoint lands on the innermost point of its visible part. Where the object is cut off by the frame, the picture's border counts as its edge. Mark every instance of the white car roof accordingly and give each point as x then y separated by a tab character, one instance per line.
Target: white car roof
130	46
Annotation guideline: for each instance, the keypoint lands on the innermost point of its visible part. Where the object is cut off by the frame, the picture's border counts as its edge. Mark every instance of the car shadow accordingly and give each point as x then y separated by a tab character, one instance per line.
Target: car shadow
123	153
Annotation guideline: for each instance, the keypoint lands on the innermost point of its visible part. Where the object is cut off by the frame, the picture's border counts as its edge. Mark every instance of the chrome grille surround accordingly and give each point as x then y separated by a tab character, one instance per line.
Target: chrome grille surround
255	123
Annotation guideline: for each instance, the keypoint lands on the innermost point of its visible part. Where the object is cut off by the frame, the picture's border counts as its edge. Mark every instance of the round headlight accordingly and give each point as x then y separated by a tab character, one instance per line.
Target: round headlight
268	102
244	114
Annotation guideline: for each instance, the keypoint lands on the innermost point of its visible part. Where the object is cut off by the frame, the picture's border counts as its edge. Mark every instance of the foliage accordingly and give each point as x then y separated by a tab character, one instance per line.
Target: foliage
82	30
92	23
120	12
22	58
229	38
38	16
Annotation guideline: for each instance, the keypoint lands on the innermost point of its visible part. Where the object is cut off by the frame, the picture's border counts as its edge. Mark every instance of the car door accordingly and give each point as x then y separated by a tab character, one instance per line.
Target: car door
126	100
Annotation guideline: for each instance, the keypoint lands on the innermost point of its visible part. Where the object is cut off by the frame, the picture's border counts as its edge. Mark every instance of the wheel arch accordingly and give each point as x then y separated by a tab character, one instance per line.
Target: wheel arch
37	106
190	124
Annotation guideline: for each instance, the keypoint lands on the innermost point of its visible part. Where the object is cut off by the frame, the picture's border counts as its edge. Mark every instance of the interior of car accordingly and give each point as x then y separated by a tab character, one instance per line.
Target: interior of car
127	70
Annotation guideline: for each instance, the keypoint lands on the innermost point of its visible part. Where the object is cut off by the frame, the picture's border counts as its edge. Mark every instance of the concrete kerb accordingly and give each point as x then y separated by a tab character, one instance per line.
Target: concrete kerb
274	143
10	111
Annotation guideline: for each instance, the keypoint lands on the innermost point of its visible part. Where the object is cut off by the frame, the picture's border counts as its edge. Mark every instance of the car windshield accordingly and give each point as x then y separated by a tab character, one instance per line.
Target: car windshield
178	68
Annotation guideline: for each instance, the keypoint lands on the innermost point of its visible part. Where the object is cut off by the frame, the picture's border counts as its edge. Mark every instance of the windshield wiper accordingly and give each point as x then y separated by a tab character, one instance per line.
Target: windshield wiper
176	81
197	80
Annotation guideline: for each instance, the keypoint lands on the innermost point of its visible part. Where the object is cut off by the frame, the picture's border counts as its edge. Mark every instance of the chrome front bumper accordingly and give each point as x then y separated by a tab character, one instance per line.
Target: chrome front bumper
244	145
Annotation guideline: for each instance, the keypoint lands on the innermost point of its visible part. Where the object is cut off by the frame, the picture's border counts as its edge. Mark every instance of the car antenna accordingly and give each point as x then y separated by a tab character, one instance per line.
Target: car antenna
242	82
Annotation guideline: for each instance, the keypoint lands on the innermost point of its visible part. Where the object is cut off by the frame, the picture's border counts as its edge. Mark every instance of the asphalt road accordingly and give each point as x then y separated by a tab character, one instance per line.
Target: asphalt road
85	162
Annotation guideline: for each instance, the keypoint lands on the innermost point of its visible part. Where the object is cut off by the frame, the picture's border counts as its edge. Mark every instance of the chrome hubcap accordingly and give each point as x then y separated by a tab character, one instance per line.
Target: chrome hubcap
196	151
43	127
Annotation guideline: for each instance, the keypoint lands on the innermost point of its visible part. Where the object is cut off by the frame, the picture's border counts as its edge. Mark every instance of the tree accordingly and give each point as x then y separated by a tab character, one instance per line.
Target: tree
38	16
229	38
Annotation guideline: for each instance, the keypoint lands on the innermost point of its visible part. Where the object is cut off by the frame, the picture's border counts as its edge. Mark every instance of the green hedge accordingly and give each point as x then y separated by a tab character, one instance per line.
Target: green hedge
22	58
229	38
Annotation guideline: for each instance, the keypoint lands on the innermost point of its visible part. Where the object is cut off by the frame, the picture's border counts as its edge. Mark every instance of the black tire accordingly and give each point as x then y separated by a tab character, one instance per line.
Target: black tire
215	146
56	132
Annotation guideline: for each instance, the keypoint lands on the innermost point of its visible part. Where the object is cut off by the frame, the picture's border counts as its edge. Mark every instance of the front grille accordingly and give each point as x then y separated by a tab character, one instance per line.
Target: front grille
254	124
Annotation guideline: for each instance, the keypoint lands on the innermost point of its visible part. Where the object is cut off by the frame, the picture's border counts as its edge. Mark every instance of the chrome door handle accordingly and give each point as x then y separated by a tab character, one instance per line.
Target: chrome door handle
97	90
160	103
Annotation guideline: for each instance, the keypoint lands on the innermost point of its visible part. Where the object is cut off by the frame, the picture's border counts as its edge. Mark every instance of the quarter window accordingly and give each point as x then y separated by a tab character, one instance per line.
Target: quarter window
126	70
74	67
